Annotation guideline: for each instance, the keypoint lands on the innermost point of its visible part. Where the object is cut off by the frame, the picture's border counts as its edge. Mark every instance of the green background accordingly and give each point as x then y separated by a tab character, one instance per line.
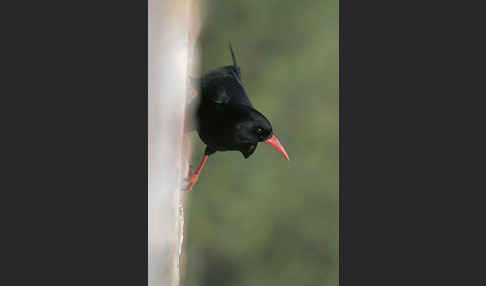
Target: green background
263	220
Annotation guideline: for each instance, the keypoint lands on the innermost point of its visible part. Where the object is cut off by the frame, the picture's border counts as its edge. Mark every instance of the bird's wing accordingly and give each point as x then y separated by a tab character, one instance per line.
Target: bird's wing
220	96
228	78
238	92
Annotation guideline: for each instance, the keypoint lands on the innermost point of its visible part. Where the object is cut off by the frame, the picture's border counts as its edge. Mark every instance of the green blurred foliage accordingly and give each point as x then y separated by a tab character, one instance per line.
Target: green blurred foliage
263	220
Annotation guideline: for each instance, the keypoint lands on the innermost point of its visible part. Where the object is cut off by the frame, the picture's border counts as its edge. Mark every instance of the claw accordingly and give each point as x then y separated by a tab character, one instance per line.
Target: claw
193	177
192	181
192	96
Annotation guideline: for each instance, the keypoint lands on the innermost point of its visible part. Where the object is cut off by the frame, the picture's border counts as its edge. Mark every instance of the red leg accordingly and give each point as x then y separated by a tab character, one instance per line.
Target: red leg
194	177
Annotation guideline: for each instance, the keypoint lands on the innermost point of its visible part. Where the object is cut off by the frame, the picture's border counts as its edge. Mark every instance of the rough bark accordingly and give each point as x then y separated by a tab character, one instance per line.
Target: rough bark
173	27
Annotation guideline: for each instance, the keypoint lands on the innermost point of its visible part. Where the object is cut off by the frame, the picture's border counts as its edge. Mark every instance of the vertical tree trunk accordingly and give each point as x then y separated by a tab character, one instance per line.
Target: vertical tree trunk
170	49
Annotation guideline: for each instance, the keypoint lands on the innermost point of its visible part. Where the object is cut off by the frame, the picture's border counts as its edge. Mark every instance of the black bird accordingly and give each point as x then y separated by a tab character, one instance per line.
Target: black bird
226	120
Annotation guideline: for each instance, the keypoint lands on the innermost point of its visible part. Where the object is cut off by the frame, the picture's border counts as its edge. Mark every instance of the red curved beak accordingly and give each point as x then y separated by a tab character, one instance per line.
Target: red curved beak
276	144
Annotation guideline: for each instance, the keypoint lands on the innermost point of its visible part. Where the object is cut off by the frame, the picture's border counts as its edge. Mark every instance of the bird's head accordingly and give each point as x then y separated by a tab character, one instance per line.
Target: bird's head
253	128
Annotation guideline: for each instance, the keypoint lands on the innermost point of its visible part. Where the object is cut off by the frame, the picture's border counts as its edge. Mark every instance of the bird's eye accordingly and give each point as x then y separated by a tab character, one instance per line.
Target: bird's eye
259	131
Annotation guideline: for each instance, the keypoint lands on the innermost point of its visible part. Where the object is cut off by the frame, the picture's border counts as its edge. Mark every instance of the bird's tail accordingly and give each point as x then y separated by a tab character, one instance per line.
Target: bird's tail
233	56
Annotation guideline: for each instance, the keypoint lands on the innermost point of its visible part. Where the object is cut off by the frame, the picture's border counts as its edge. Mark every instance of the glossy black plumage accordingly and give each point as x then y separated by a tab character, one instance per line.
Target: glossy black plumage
224	104
225	117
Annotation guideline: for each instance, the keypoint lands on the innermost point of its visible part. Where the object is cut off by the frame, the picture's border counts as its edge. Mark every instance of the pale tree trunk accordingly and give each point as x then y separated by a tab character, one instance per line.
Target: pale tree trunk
173	27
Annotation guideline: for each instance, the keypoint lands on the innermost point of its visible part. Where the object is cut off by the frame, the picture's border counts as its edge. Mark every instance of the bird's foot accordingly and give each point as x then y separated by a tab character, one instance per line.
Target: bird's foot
192	179
192	95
